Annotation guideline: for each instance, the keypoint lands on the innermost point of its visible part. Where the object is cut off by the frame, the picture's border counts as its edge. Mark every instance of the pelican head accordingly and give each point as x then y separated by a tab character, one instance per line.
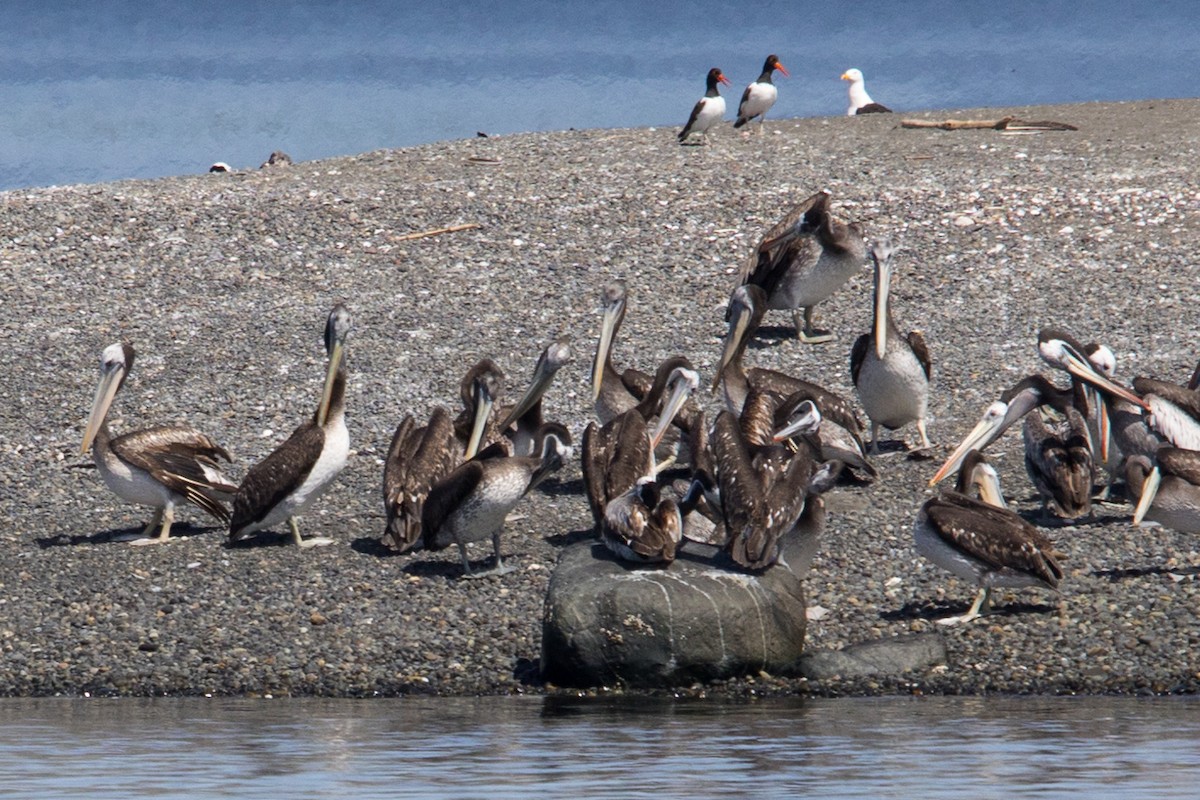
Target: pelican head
614	298
681	383
479	390
1059	350
806	418
996	418
115	363
556	355
337	328
747	305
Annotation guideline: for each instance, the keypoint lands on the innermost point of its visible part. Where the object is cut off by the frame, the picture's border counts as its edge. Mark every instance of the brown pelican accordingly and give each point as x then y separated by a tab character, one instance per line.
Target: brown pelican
1167	489
802	260
619	452
1058	452
709	110
614	392
522	420
891	371
473	501
418	458
642	525
981	541
840	431
763	488
157	467
760	95
480	388
1174	410
860	101
285	483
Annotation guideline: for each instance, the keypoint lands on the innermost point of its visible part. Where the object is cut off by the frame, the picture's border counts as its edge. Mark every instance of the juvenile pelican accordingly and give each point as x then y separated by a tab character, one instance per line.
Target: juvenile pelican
480	388
522	421
418	458
473	501
297	472
619	452
981	541
1167	490
157	467
614	392
891	371
802	260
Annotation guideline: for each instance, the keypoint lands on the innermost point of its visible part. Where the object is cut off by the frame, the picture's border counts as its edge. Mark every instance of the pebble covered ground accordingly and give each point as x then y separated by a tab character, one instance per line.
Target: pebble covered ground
222	283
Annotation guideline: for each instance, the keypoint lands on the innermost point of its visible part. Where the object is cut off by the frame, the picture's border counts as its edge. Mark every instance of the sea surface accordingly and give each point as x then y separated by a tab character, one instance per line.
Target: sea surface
112	89
521	747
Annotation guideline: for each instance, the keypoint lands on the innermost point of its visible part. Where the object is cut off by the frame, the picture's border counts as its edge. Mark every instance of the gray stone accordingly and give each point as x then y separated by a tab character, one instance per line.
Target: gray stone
891	656
608	621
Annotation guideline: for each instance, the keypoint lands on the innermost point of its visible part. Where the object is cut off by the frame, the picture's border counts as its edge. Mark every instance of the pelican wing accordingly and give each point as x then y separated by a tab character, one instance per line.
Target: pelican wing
275	477
446	496
917	342
995	536
182	459
1184	464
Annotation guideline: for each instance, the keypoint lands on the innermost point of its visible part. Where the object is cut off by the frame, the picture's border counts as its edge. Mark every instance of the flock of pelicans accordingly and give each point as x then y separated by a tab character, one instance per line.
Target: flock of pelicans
749	486
758	98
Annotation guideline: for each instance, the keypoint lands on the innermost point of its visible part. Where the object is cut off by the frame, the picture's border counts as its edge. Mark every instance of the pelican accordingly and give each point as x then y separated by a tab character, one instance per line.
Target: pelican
760	95
643	526
614	392
472	502
297	472
622	450
802	260
860	101
157	467
763	488
1059	461
981	541
418	458
891	371
1174	410
840	432
708	110
480	388
522	420
1168	489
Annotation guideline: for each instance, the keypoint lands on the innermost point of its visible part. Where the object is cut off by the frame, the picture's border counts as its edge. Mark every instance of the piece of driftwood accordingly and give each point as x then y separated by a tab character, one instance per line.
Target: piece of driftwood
1002	124
469	226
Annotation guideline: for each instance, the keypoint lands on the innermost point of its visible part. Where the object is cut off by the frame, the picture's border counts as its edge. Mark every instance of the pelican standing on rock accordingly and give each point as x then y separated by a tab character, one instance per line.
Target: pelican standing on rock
709	110
891	371
860	101
982	541
760	95
802	260
157	467
297	472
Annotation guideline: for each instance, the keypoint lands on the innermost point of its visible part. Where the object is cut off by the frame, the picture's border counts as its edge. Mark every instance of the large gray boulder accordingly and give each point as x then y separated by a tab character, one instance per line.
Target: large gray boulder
612	622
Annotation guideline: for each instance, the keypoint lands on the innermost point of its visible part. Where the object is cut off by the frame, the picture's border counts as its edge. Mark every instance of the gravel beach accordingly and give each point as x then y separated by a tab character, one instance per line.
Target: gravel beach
222	283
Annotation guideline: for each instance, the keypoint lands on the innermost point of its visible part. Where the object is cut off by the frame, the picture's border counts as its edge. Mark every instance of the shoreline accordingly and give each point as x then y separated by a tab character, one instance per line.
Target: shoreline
222	283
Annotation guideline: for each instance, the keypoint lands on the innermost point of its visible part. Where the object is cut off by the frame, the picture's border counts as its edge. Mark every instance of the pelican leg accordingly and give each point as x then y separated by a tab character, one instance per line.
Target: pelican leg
805	331
154	522
165	515
981	606
301	542
874	438
925	450
498	568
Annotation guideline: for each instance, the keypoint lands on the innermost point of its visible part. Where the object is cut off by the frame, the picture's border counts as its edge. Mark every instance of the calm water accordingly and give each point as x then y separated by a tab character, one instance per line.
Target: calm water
111	89
522	747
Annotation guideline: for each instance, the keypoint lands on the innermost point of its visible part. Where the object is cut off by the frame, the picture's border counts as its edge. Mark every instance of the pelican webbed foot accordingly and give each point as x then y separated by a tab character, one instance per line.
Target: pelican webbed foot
981	606
301	542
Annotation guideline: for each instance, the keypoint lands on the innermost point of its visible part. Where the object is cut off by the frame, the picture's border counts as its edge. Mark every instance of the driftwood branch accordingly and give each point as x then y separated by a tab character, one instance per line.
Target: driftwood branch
1002	124
469	226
